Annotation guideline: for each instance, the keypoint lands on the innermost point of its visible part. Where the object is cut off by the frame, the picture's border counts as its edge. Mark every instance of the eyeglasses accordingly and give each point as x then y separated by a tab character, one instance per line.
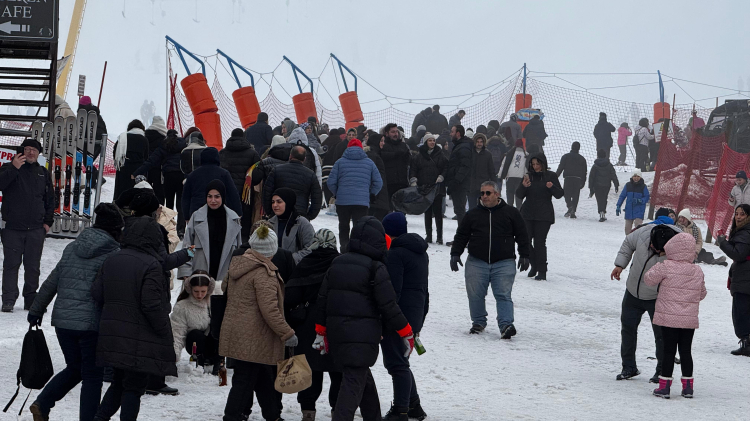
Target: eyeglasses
486	193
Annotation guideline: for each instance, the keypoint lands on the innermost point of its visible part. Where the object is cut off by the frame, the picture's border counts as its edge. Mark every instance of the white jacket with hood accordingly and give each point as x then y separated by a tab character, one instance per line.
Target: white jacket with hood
190	314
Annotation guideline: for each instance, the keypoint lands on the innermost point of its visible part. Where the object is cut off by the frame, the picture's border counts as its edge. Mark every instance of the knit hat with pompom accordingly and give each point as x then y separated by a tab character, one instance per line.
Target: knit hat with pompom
264	241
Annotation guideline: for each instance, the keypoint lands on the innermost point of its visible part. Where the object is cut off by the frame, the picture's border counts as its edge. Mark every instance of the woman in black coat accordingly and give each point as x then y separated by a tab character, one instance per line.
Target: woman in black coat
380	203
237	156
482	168
130	151
135	333
601	177
538	187
737	248
427	169
301	296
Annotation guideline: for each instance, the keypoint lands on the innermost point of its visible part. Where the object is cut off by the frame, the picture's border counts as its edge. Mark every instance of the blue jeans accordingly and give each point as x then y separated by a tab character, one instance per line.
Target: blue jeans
479	276
79	349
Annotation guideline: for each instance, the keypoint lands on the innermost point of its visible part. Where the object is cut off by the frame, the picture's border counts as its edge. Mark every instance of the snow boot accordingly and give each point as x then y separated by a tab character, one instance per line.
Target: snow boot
507	332
308	415
541	276
743	350
532	272
663	390
655	378
687	387
397	414
573	215
628	373
166	390
567	214
601	217
476	329
428	238
7	307
416	411
38	415
439	240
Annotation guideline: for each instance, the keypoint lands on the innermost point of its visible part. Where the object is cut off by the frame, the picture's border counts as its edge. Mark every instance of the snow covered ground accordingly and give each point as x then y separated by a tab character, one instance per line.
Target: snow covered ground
561	365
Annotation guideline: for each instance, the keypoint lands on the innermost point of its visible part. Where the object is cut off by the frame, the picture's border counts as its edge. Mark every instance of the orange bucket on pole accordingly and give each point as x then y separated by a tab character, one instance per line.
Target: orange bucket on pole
247	105
304	106
523	101
661	110
210	126
198	94
350	106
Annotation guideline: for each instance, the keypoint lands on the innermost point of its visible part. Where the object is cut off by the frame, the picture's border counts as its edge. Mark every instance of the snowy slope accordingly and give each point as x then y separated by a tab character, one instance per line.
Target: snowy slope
561	365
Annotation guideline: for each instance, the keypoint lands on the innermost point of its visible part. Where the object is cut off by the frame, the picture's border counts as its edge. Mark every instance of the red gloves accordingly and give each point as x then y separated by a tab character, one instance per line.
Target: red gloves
408	336
321	340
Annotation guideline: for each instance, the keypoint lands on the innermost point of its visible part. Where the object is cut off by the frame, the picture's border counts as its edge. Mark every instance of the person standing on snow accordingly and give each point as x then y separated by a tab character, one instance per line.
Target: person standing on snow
156	133
639	298
294	232
455	119
643	136
622	142
190	155
600	181
490	230
482	168
513	172
535	133
396	157
27	211
740	194
380	203
356	300
428	168
296	176
260	134
408	266
437	122
458	175
636	194
538	188
603	134
237	156
515	128
130	152
573	169
421	119
194	190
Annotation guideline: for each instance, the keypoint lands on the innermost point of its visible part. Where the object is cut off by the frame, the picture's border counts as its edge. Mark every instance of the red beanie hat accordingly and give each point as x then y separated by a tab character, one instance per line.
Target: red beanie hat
354	142
85	100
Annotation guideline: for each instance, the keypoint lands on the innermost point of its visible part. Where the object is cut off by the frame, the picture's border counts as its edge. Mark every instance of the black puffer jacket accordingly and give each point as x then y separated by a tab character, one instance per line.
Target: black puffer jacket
737	248
165	157
436	123
421	119
300	303
497	149
573	164
302	180
357	296
426	167
538	204
458	174
381	200
409	269
603	133
482	169
491	233
602	175
396	156
277	155
237	157
535	133
134	330
259	135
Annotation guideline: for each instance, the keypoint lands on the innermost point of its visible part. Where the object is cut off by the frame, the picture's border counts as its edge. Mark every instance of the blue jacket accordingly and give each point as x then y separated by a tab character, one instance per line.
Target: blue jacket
194	190
637	196
350	175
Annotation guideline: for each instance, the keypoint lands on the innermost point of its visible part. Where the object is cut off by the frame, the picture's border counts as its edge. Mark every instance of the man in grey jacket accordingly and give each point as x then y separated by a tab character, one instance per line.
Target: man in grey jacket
639	297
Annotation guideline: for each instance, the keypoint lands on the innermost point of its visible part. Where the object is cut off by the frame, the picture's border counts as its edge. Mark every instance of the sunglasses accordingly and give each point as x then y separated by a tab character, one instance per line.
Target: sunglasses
486	193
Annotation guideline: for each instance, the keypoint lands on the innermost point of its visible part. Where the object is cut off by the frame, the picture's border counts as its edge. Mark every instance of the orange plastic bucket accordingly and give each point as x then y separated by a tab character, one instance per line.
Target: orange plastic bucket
247	105
661	110
198	94
350	106
210	126
352	125
523	102
304	106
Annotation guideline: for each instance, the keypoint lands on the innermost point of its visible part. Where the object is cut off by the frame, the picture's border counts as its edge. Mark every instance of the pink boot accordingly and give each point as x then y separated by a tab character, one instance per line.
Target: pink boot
664	384
687	387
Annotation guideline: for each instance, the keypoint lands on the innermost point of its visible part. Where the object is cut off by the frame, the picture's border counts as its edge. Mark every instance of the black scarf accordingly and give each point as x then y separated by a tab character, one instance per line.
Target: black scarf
217	231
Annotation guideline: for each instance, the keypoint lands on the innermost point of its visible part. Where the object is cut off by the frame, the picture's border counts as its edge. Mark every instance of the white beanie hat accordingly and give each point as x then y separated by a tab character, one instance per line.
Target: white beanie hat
264	241
685	213
277	140
637	173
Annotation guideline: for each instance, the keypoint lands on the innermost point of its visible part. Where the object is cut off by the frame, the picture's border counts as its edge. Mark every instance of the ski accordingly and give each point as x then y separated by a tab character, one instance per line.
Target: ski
69	145
45	136
88	149
56	163
79	145
37	133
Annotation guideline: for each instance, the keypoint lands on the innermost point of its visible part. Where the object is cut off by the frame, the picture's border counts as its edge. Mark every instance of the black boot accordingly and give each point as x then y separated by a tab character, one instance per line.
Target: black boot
416	411
532	272
744	348
397	414
428	238
541	276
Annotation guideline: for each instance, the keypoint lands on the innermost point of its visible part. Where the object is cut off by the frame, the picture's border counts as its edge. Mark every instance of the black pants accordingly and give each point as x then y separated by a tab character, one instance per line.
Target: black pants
538	231
436	211
511	185
154	178
79	349
377	213
25	247
309	396
346	214
572	189
357	390
248	378
632	312
653	150
404	385
741	314
392	189
246	220
601	194
641	156
673	339
172	189
124	394
458	196
623	153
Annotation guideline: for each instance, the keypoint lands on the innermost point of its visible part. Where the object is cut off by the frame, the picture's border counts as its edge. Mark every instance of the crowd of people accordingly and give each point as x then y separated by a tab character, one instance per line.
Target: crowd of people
245	219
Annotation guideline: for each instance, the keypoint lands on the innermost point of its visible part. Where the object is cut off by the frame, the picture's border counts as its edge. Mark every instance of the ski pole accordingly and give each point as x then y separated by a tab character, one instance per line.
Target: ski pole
104	73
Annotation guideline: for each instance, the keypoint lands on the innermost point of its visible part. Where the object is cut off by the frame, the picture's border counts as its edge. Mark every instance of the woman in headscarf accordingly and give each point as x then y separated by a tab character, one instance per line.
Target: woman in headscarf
294	232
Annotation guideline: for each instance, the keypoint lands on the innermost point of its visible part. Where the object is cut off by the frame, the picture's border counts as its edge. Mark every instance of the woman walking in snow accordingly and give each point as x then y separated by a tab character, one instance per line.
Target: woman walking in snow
601	177
681	289
636	194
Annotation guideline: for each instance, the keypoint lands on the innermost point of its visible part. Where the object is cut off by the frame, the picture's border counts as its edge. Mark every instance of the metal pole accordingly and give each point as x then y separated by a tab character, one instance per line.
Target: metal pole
101	88
100	176
524	84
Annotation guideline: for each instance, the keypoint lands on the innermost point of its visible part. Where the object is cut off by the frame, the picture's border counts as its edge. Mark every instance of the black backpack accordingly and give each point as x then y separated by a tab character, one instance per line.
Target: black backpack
660	235
36	365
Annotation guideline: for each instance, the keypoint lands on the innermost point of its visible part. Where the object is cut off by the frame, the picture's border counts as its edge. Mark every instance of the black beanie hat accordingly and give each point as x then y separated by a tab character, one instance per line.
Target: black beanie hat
108	217
374	140
238	133
144	203
33	143
219	186
663	212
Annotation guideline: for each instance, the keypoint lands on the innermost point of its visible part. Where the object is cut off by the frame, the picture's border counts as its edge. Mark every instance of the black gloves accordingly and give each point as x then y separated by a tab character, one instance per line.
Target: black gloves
523	264
455	261
34	320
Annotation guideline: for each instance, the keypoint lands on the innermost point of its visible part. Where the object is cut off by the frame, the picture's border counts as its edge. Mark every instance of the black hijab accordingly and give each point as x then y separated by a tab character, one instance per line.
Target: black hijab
217	228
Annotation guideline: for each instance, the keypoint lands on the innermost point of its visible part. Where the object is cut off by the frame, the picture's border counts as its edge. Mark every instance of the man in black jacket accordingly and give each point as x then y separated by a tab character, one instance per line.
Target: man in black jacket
456	118
296	176
603	134
458	176
573	167
28	205
420	120
535	133
482	168
237	157
396	157
490	230
260	134
409	267
437	122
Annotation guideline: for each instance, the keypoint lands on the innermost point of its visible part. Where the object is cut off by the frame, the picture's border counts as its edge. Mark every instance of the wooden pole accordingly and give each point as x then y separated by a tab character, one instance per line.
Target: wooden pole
101	88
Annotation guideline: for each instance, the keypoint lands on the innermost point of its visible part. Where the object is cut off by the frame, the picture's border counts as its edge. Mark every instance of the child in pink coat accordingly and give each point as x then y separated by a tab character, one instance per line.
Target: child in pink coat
681	289
622	141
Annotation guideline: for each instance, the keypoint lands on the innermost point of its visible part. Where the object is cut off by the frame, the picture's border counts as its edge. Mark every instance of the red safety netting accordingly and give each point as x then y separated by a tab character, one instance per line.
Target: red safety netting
719	212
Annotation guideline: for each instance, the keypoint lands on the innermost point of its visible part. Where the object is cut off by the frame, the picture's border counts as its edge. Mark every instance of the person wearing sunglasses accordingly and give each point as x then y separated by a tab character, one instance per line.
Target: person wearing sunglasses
490	231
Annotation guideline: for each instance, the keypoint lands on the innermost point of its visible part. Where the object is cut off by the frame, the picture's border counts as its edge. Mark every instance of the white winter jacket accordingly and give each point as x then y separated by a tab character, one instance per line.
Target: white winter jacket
739	195
190	314
517	168
644	135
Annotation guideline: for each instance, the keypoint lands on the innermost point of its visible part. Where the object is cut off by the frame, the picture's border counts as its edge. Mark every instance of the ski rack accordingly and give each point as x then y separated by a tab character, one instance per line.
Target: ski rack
342	66
296	69
232	63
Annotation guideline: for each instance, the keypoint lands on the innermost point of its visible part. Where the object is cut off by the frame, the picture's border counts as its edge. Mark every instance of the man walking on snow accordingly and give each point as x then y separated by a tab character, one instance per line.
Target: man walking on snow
490	230
28	204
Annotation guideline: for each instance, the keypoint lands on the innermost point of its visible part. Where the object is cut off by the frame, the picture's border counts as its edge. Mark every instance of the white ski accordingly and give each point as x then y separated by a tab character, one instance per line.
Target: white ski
88	151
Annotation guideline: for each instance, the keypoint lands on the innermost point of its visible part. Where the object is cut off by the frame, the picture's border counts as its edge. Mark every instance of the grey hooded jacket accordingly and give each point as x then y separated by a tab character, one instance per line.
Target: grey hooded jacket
301	236
637	246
